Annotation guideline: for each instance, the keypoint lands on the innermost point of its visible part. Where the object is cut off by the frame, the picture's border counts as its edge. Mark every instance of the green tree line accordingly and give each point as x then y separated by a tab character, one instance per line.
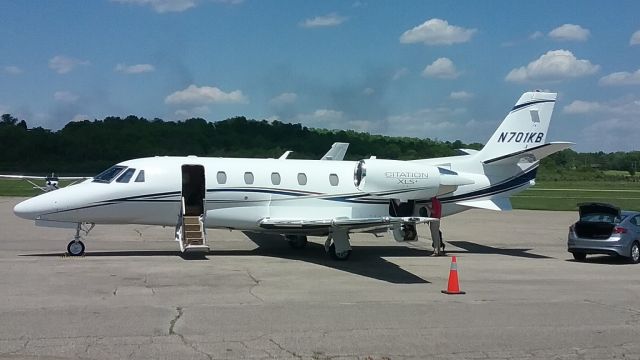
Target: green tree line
87	147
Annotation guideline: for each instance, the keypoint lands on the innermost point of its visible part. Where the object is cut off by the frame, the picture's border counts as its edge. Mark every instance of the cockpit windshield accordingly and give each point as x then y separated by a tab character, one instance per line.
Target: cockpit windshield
108	175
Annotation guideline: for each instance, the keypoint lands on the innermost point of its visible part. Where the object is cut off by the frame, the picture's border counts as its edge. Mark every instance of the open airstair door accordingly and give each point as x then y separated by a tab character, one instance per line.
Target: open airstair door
190	231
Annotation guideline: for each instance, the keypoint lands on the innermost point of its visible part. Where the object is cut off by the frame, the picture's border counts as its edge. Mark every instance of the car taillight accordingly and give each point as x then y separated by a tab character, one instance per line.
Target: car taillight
619	230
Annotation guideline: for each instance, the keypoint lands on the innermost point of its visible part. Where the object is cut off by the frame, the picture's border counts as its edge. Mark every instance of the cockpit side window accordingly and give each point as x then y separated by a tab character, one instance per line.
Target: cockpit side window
108	175
140	177
126	176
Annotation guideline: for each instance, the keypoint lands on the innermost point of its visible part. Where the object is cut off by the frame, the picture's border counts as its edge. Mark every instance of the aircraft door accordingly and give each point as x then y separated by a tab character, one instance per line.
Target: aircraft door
193	189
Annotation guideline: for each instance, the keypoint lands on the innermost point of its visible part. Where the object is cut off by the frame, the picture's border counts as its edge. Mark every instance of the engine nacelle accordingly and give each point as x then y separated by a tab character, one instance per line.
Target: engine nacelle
394	179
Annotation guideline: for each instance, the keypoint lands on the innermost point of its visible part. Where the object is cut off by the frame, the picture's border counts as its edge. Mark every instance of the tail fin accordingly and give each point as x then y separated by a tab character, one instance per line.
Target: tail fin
525	126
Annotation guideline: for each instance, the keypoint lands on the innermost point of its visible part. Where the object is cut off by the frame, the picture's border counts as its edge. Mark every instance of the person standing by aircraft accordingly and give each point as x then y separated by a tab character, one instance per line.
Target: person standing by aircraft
435	209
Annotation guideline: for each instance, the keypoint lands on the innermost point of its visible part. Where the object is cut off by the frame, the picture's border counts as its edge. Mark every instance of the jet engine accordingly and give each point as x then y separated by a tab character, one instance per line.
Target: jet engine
404	180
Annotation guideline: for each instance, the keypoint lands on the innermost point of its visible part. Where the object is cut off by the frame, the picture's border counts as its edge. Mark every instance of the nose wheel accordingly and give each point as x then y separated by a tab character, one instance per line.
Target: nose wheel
75	248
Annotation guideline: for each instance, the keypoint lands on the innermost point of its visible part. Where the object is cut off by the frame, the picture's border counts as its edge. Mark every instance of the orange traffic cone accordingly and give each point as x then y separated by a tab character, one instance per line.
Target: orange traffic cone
453	288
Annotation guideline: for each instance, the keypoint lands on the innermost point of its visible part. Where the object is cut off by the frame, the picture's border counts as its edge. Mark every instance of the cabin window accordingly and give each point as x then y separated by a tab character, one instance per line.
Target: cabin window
333	179
302	179
140	177
126	176
275	178
108	175
221	177
248	178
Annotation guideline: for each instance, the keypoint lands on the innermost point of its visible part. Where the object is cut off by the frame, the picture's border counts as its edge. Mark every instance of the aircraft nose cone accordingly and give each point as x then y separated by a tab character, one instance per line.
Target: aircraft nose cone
27	209
35	207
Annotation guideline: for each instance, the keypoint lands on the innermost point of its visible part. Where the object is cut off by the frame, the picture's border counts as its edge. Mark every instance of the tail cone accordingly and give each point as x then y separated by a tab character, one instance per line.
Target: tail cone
453	288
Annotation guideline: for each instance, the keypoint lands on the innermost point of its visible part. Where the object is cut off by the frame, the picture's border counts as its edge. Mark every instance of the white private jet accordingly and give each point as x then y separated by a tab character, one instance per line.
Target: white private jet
298	198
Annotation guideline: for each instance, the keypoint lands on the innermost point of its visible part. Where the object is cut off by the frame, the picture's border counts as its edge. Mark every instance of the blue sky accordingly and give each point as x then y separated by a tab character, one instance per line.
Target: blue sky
438	69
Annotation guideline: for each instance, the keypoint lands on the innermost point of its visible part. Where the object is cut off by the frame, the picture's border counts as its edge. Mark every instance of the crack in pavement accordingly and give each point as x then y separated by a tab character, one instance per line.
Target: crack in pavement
256	283
285	350
172	324
635	314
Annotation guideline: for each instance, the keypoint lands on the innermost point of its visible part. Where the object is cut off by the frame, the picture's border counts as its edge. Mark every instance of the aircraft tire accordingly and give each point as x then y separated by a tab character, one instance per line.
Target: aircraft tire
75	248
411	233
344	256
297	241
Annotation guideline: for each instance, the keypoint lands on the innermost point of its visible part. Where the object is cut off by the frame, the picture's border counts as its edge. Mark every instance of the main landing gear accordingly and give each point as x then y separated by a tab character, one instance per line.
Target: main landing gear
337	245
297	241
76	246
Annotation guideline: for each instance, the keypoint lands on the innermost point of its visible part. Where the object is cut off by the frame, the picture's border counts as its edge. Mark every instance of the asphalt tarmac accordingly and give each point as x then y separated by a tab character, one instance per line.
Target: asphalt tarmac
134	296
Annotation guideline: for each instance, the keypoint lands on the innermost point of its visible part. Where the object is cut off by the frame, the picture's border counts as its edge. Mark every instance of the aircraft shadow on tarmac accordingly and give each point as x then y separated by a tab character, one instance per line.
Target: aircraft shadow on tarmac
474	248
365	261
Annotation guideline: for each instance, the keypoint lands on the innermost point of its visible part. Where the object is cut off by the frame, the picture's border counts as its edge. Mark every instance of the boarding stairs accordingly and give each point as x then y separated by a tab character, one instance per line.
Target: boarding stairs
190	232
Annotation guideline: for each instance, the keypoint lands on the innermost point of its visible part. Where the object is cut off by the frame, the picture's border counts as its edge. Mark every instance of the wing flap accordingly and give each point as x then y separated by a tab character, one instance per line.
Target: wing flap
349	223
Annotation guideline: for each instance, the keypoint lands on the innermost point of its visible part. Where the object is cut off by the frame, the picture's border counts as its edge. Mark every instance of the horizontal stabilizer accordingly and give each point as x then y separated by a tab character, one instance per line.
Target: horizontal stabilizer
466	151
530	155
499	204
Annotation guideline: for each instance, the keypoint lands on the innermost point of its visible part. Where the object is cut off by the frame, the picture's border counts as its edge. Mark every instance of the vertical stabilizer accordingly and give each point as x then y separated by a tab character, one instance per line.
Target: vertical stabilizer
523	128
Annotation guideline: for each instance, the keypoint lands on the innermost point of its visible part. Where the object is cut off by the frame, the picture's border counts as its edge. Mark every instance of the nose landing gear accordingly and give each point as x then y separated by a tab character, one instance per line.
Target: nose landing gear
76	246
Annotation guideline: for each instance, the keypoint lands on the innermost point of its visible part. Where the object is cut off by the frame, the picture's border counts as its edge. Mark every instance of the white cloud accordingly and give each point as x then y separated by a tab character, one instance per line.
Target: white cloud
437	32
570	32
323	115
163	6
65	97
4	109
442	68
333	119
194	112
284	99
583	107
536	35
444	123
621	78
628	107
612	134
635	38
12	70
368	91
195	95
552	66
134	69
460	95
332	19
64	64
400	73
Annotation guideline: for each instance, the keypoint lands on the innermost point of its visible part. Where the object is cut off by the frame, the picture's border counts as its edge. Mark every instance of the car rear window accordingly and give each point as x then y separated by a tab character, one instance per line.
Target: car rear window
606	218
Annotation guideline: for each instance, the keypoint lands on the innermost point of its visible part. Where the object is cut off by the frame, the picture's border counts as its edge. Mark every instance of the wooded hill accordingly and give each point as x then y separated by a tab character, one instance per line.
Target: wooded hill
87	147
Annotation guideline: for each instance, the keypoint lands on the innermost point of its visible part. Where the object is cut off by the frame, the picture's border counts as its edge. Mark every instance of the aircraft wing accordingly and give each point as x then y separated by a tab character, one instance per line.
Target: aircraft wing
73	177
21	177
348	223
29	177
337	152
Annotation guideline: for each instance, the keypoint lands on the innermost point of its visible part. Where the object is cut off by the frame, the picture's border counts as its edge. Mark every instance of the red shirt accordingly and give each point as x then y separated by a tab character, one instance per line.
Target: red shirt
436	208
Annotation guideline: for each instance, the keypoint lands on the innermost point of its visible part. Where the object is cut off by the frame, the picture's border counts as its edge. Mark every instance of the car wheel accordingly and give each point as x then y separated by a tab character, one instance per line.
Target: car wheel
635	253
579	256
